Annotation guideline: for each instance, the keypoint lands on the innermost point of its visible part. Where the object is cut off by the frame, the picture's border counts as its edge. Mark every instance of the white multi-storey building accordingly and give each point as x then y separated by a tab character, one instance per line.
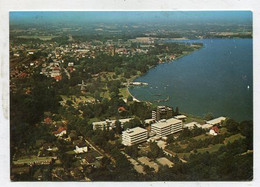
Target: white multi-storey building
134	136
167	127
109	124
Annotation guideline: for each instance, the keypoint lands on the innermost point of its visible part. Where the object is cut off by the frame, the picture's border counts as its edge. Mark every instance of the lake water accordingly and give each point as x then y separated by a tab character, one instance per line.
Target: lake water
218	78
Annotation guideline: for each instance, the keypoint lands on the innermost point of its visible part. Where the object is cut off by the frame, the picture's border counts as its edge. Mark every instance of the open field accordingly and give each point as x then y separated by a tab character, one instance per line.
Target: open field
233	138
210	149
44	38
191	118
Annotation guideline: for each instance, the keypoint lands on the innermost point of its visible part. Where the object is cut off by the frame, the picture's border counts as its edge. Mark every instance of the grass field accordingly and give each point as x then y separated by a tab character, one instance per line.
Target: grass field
32	159
191	118
124	92
210	149
201	137
44	38
232	138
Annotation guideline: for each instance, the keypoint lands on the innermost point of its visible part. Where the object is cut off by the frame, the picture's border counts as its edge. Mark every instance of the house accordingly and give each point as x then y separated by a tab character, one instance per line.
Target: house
22	75
214	130
58	78
47	120
121	109
81	149
60	132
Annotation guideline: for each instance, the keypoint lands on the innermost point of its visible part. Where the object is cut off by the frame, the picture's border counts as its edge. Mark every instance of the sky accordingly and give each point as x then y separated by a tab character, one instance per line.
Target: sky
240	17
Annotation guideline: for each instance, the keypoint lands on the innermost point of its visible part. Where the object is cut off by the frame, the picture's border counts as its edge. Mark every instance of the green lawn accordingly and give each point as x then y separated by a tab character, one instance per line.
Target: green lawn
70	152
105	94
124	92
232	138
210	149
32	159
94	120
191	118
181	155
37	37
201	137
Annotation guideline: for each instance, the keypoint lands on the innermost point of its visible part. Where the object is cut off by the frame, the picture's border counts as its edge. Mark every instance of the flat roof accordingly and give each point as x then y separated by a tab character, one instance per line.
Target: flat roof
216	120
169	122
192	124
134	131
125	120
99	123
206	126
112	121
149	120
180	116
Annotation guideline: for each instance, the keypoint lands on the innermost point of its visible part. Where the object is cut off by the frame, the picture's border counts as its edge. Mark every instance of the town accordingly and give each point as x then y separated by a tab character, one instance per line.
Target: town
74	119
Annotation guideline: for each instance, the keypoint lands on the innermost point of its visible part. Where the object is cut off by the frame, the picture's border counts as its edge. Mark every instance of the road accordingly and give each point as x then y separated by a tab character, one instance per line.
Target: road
67	73
100	151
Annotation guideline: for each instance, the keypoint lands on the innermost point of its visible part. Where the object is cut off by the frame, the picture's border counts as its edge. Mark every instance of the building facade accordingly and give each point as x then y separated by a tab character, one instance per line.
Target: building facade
162	112
134	136
167	127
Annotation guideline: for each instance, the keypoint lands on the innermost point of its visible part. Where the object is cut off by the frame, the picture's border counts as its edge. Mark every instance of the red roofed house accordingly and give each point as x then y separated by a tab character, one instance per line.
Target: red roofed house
48	120
22	75
27	91
214	131
121	109
60	132
58	78
215	128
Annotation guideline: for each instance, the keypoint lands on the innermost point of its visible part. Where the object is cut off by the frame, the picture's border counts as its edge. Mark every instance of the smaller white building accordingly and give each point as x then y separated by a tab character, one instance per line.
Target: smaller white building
134	136
101	125
212	132
206	126
149	121
216	121
192	125
180	117
81	149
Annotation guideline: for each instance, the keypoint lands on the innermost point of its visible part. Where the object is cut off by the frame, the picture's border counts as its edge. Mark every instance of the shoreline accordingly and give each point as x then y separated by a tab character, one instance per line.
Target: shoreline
137	76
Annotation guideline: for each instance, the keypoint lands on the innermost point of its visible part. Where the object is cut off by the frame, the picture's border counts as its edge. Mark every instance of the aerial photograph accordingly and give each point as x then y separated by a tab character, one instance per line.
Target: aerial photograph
131	95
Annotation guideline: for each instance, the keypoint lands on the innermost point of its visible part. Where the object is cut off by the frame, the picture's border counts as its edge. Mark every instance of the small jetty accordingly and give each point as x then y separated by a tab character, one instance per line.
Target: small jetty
138	84
162	100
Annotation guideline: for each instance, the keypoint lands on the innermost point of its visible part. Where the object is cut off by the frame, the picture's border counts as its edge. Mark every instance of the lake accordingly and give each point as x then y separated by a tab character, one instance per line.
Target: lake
218	79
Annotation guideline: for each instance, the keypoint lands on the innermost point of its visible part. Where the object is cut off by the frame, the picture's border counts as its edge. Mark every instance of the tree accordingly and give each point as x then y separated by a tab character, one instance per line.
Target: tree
132	151
177	111
170	139
208	116
129	98
118	128
232	126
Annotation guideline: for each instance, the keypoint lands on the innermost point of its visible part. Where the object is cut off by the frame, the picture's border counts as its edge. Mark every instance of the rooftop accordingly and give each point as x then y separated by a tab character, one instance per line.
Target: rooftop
216	120
192	124
206	126
134	131
165	123
180	117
